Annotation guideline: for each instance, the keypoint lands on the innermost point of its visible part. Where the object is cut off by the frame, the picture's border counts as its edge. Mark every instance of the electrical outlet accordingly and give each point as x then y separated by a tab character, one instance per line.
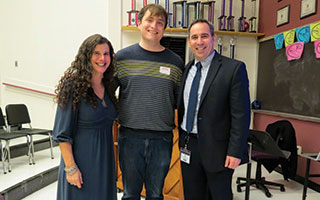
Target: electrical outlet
299	150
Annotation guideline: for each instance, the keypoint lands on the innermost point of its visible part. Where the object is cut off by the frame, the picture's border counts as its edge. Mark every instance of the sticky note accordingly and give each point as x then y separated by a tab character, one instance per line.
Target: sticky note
289	37
303	34
315	31
294	51
317	48
278	41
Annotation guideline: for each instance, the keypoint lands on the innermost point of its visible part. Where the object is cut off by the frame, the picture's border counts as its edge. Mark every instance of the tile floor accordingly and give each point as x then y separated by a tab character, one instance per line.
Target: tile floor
21	170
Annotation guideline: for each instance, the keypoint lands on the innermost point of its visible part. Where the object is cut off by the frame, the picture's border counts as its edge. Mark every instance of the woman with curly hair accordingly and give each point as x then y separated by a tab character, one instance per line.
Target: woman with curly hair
83	124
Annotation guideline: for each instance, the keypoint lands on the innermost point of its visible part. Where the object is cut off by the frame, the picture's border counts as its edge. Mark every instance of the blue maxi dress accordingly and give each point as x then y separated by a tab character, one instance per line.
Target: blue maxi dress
89	131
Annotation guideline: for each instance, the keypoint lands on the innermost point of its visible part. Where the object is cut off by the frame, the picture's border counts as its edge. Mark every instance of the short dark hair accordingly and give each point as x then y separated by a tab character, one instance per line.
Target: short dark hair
155	10
211	27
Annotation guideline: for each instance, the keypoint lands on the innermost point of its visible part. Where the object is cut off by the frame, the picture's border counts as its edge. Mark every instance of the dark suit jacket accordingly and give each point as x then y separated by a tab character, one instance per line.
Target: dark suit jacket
284	134
224	112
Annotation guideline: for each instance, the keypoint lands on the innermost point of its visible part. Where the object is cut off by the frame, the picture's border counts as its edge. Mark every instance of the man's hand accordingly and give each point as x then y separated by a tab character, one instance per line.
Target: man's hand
232	162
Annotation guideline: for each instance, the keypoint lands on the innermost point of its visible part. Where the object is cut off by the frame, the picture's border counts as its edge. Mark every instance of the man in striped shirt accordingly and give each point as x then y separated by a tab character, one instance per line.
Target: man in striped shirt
149	77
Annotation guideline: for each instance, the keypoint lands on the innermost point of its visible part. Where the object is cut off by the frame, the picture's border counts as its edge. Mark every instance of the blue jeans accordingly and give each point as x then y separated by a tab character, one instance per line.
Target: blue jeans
143	161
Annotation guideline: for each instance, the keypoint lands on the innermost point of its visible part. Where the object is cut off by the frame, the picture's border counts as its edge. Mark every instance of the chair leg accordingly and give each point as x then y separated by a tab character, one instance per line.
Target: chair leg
252	182
258	171
282	188
265	189
51	146
32	144
3	158
8	155
29	154
30	149
241	179
259	182
272	183
248	181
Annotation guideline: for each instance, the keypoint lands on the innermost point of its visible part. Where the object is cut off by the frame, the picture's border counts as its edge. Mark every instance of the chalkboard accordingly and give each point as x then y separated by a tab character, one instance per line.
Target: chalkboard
288	86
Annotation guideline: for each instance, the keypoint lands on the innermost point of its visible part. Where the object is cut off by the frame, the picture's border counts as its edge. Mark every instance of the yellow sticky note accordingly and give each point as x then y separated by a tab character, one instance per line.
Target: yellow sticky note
315	31
289	37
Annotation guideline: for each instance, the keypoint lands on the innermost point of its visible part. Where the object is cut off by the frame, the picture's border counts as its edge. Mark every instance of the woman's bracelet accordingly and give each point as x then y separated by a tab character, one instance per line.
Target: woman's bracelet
72	170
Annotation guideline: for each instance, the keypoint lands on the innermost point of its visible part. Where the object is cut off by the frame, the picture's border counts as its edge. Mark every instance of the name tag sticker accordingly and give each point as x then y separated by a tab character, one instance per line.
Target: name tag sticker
185	155
165	70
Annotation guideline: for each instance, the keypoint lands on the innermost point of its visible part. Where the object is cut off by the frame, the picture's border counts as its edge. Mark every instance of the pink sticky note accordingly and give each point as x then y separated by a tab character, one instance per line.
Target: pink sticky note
317	48
294	51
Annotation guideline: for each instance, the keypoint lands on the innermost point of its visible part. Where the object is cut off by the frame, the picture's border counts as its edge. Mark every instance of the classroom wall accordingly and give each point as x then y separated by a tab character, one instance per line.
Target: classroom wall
268	16
307	132
43	37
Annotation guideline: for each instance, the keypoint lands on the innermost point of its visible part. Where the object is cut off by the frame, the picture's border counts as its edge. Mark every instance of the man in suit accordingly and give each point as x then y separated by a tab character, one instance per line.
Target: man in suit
214	120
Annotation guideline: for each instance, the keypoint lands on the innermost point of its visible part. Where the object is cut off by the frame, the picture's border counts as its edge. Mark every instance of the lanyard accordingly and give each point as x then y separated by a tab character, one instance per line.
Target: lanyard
186	141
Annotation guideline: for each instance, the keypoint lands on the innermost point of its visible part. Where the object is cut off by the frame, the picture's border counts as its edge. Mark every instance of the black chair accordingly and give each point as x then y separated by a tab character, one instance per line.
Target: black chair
247	160
18	115
264	148
6	137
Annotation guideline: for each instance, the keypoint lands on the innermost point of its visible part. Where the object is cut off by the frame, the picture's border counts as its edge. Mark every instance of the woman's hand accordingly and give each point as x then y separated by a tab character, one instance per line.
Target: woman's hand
75	179
73	174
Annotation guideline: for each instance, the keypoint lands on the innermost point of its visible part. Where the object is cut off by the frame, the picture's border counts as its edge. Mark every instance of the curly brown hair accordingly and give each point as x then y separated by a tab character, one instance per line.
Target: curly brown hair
76	81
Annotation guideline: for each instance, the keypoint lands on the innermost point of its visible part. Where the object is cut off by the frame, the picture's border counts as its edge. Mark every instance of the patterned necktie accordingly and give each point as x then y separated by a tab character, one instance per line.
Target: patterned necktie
193	98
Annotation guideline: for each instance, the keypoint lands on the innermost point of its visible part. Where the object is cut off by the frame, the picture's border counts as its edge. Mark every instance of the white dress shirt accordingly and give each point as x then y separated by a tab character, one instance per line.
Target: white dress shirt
192	72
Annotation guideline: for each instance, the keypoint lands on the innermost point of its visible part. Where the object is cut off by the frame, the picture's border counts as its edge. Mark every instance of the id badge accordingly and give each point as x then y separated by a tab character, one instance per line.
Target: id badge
185	155
165	70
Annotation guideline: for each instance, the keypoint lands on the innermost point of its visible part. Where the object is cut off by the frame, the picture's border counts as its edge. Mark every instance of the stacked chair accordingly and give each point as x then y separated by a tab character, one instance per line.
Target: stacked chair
13	127
5	137
17	116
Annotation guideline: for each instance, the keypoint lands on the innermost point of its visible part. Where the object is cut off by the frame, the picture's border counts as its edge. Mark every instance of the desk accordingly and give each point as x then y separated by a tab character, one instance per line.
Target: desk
309	157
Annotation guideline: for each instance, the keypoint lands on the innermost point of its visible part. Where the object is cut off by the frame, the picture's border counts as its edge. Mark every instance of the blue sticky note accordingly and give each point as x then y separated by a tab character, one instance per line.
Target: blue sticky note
303	34
278	40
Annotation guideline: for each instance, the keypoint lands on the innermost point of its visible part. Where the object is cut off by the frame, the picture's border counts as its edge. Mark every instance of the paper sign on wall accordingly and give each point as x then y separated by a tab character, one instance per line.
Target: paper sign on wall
315	31
294	51
317	48
303	34
289	37
278	41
